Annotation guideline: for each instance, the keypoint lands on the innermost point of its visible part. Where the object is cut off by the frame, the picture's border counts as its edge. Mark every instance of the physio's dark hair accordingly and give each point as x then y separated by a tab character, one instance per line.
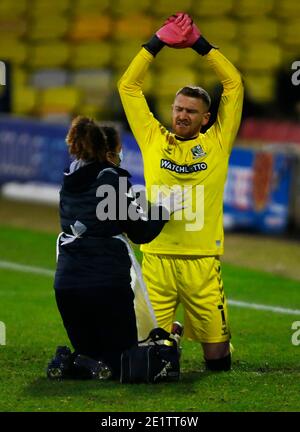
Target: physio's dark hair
196	92
86	140
112	137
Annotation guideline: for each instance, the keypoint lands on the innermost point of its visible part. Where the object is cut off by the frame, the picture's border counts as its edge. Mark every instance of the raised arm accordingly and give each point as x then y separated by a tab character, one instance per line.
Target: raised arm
138	114
230	109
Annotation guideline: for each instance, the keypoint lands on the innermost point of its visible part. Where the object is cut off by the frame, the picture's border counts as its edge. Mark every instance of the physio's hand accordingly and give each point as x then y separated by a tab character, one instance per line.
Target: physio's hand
172	202
176	31
192	32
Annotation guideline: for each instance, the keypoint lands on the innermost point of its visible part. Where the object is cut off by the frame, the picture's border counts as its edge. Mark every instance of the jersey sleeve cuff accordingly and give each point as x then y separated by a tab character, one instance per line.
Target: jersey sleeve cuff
202	46
154	45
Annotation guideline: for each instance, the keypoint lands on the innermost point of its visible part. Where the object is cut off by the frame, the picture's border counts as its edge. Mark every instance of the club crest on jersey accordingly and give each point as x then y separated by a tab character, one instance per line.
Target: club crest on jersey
198	152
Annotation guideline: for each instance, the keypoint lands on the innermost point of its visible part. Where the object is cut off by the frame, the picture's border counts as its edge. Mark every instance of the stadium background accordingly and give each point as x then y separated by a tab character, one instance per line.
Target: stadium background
64	58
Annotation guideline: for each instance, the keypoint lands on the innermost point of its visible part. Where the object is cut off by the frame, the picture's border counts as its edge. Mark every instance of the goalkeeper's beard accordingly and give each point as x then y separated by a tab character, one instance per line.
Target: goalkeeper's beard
185	130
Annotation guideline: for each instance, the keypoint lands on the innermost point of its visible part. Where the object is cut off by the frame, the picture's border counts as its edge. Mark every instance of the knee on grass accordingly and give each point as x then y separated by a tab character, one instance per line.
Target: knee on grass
221	364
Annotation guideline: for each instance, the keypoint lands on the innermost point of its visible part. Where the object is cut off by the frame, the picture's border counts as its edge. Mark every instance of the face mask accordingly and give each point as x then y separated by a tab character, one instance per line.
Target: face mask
120	155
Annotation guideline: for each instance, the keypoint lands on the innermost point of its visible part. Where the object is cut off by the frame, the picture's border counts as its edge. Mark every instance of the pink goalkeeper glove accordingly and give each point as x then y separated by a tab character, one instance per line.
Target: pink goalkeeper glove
192	33
179	31
176	31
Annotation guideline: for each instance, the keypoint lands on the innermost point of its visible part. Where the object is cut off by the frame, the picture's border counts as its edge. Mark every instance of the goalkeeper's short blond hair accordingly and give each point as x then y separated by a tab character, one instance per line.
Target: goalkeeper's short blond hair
195	92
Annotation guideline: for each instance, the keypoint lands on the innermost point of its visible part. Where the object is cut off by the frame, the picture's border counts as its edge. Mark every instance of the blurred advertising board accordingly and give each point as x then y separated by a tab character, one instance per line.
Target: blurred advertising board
257	191
32	150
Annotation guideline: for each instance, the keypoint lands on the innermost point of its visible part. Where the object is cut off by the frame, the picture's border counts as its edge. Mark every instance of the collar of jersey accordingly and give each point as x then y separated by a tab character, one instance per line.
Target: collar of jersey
186	139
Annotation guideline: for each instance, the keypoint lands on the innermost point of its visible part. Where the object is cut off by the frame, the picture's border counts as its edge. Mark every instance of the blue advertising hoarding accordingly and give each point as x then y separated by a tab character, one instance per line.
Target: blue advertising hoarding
32	151
256	193
36	151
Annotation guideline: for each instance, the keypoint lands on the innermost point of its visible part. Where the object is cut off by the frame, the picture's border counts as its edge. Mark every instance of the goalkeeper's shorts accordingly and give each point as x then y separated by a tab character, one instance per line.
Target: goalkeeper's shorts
196	283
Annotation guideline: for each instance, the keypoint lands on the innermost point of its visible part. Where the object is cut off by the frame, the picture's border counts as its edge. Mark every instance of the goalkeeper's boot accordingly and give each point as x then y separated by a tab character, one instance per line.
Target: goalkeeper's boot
87	368
60	365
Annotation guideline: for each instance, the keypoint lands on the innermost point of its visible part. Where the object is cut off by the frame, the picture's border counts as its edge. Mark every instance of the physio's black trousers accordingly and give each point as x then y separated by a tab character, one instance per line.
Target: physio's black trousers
100	322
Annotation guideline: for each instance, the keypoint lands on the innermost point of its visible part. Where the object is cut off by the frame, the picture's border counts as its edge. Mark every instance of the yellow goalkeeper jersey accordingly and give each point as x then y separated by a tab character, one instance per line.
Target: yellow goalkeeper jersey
199	165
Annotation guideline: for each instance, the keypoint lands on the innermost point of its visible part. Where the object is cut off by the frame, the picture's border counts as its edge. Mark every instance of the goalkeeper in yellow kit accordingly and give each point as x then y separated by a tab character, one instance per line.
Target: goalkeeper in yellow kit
182	264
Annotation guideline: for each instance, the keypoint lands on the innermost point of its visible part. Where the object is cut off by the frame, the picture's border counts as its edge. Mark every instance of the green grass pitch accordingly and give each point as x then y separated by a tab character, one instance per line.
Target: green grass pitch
266	366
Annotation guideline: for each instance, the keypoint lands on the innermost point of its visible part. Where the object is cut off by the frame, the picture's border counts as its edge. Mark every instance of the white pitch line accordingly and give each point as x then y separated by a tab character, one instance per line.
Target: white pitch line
276	309
26	269
46	272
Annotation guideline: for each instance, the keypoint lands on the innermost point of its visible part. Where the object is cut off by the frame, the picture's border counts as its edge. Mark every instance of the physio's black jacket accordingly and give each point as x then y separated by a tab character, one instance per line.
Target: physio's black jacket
92	281
95	258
